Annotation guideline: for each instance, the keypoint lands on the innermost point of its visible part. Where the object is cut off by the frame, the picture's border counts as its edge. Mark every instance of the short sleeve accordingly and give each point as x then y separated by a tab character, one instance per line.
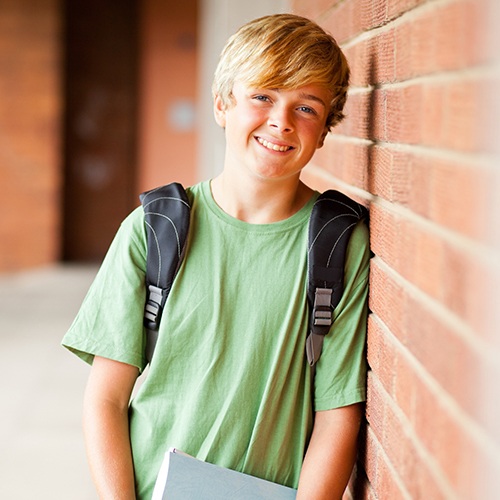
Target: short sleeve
110	320
340	377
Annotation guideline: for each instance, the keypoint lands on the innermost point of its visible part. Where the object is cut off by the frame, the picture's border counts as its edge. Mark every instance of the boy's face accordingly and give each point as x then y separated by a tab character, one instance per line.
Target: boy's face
273	133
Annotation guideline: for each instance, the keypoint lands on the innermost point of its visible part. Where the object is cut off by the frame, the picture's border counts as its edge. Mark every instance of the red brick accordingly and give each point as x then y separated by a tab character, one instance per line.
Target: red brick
403	115
381	476
396	8
488	115
380	357
437	427
446	191
381	181
359	121
454	275
442	39
422	331
347	161
442	114
312	10
394	376
360	488
447	442
432	327
415	47
373	13
384	64
372	61
460	35
373	114
344	20
447	38
450	442
470	280
386	295
404	452
30	121
434	115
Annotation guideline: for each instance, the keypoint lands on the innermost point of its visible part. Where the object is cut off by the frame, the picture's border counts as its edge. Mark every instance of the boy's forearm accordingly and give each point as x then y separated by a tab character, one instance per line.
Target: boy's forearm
108	450
106	428
331	454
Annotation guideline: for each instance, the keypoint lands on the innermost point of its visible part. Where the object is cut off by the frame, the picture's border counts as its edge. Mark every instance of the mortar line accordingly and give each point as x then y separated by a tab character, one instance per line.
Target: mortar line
457	325
396	21
465	420
485	160
433	466
394	473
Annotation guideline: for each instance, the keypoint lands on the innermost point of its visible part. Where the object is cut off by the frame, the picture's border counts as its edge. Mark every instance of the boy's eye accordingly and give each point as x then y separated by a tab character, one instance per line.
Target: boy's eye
261	98
306	109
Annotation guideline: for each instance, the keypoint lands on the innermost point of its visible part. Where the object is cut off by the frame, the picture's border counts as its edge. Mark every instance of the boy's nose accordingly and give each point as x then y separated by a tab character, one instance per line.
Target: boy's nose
280	119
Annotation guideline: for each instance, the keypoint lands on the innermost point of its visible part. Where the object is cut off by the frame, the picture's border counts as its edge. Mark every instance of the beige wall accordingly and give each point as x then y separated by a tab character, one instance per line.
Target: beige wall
218	20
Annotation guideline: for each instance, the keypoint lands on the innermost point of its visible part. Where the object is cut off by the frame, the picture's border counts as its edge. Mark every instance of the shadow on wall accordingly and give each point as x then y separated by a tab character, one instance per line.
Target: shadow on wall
359	482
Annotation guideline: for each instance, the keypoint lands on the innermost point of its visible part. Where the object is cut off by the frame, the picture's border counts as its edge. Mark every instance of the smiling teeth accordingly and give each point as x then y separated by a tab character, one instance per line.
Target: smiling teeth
274	147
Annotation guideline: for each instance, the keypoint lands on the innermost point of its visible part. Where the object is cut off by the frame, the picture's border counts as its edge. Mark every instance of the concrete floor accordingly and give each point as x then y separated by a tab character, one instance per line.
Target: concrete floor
41	446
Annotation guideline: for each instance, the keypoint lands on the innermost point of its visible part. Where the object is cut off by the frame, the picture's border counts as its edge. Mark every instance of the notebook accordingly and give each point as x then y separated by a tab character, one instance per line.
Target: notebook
182	477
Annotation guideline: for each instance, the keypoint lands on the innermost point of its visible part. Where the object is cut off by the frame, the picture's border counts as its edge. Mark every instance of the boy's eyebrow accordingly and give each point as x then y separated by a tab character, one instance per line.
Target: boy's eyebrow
312	97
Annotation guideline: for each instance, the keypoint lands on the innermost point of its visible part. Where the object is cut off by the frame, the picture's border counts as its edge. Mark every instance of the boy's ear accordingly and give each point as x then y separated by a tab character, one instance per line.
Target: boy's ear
219	111
322	138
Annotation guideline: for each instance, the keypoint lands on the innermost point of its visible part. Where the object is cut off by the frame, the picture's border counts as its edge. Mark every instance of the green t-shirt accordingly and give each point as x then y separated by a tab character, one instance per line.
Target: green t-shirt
229	382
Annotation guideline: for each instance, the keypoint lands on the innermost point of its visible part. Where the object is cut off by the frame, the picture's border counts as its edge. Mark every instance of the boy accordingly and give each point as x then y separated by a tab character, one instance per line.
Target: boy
229	381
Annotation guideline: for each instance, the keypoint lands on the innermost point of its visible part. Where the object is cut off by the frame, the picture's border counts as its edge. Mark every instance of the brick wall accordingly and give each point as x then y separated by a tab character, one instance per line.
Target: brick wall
29	133
418	147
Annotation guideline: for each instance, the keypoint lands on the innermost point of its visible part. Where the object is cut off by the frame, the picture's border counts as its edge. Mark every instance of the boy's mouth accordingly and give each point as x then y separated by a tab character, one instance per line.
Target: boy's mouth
272	146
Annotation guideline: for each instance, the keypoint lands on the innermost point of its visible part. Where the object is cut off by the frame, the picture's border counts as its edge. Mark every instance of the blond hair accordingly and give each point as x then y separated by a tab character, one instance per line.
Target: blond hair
283	51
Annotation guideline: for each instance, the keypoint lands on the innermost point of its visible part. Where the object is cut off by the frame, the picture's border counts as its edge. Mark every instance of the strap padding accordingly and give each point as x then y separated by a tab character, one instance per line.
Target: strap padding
166	219
332	220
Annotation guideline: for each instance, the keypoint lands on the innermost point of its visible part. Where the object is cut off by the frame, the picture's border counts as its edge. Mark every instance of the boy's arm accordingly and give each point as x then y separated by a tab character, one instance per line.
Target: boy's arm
106	428
331	454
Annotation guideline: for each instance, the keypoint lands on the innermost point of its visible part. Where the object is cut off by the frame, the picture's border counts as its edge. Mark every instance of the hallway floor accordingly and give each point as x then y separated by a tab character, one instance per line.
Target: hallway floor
41	445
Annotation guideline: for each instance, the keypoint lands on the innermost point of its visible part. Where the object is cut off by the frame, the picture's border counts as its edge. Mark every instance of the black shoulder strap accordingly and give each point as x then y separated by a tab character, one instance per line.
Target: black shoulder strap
166	217
332	220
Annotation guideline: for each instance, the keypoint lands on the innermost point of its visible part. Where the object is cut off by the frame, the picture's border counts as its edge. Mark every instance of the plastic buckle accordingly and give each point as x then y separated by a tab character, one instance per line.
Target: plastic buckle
153	308
322	310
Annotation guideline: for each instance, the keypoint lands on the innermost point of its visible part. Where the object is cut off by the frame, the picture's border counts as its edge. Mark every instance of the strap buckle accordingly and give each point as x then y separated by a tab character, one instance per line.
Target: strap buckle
153	308
321	320
322	315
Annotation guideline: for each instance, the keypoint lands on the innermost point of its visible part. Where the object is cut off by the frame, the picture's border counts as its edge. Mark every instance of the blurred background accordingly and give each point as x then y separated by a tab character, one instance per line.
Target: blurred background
99	101
103	99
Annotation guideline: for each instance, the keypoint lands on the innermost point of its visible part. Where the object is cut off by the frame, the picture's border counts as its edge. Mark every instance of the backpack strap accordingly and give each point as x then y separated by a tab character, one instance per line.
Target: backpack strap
166	219
332	220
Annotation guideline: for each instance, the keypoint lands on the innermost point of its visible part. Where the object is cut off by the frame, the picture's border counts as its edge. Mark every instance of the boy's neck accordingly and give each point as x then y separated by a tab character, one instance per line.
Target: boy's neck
260	202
